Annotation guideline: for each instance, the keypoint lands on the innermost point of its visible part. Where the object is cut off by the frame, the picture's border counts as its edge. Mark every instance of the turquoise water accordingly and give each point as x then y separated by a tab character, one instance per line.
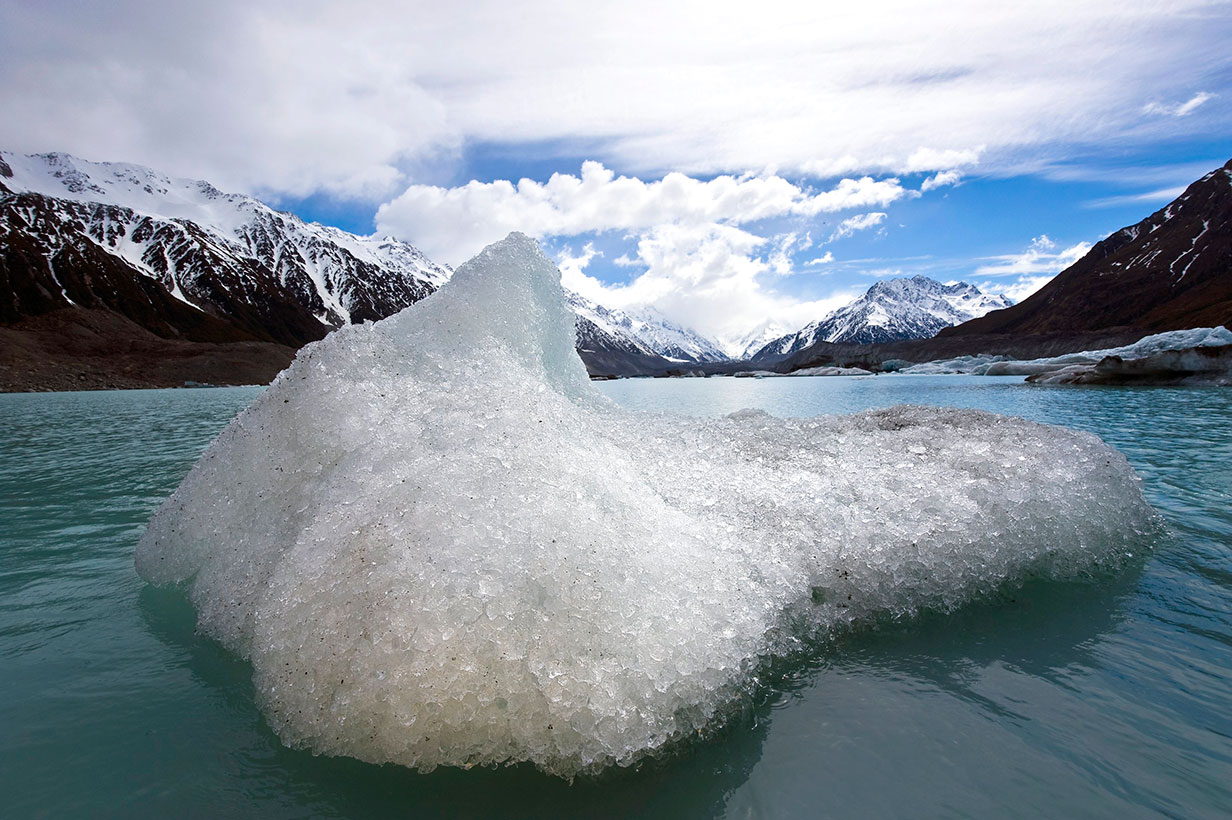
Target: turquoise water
1079	700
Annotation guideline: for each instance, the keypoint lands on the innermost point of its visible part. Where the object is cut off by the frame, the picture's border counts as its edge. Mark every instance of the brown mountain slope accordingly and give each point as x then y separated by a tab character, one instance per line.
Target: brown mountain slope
1172	270
75	348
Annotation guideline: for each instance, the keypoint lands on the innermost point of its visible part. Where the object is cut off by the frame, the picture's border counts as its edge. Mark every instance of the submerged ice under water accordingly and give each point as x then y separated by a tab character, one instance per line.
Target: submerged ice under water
439	545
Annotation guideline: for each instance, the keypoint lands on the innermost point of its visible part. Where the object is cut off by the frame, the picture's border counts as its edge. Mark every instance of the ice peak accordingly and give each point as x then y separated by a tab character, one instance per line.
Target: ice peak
509	297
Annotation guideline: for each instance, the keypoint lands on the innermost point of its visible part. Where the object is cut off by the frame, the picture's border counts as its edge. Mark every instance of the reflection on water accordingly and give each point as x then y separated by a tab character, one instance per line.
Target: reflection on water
1082	699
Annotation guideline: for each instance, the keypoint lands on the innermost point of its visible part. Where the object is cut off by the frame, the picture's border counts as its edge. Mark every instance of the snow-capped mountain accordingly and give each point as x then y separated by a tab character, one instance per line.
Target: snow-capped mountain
747	345
670	340
186	261
891	310
645	332
598	329
78	224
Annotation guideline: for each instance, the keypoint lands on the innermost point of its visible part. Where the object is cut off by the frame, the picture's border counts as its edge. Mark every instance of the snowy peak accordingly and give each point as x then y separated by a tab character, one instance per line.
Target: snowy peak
891	310
227	255
919	293
135	187
757	338
646	332
229	216
671	340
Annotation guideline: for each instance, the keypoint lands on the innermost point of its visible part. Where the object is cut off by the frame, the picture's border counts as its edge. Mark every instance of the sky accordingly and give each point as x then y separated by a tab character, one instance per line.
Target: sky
726	164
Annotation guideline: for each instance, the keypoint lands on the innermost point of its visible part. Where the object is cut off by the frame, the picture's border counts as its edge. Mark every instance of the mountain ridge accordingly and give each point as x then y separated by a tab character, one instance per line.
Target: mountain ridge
891	310
272	275
1169	271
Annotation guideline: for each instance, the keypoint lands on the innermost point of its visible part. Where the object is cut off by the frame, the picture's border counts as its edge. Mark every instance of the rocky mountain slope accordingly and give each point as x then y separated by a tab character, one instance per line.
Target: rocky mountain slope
185	261
1172	270
891	310
646	333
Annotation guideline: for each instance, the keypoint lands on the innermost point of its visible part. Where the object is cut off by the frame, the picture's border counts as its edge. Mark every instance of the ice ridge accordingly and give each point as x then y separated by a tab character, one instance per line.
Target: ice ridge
439	545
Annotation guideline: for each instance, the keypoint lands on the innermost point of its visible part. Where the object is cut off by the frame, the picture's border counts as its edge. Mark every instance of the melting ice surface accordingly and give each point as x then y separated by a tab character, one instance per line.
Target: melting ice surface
438	545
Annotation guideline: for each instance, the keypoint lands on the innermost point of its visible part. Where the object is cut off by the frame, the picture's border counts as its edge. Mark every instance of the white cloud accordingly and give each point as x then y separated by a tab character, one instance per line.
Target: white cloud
711	277
706	262
1038	258
1161	196
1033	268
1018	290
453	223
825	259
785	245
357	98
859	222
940	180
931	159
572	270
1180	109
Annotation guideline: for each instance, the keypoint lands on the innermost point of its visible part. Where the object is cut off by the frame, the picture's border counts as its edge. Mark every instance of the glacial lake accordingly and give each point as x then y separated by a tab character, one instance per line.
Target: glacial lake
1107	698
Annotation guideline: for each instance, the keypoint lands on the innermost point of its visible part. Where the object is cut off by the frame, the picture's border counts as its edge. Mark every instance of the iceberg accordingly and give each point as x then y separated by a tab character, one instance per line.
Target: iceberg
439	545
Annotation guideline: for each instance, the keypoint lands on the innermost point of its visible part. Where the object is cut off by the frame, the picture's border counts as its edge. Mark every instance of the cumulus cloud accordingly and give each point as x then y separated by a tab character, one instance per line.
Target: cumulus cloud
859	222
1179	109
1032	268
454	223
940	180
1018	290
572	270
708	276
824	259
702	256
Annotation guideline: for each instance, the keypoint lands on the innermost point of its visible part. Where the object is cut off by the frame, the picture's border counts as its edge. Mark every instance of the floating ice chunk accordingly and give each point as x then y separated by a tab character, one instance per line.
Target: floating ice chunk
439	545
831	371
808	371
977	365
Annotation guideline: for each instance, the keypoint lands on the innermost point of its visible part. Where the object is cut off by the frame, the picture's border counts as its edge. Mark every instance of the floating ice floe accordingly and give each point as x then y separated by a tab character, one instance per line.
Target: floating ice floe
439	545
831	371
807	371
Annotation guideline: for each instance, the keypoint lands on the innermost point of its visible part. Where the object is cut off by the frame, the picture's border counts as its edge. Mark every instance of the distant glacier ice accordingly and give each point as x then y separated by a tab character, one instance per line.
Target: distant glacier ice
439	545
986	365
